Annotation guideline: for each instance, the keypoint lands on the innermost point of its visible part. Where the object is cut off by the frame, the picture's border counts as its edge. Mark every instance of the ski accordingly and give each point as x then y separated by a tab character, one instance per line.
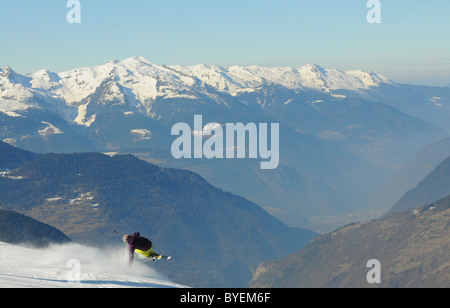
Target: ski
159	257
152	259
162	257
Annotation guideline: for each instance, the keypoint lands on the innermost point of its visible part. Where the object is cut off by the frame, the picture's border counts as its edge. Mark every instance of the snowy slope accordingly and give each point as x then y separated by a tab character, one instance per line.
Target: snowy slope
53	267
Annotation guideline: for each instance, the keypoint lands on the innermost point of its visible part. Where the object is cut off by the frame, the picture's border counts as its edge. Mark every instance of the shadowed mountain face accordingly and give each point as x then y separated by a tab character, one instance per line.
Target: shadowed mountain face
215	238
16	228
12	157
413	248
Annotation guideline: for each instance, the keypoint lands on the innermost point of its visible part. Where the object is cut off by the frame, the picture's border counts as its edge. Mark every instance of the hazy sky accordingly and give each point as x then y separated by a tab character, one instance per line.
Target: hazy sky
411	44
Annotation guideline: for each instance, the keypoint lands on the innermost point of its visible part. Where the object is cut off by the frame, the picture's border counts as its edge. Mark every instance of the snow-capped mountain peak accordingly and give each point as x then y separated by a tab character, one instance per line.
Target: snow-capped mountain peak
44	79
9	75
138	60
314	76
369	79
314	68
318	78
14	93
6	72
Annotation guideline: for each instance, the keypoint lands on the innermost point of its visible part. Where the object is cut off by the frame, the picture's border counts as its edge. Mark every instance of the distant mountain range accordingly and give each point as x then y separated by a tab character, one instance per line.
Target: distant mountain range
343	135
215	238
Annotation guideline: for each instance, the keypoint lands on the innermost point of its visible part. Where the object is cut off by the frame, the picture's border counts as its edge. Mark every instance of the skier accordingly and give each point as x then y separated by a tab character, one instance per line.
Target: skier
141	245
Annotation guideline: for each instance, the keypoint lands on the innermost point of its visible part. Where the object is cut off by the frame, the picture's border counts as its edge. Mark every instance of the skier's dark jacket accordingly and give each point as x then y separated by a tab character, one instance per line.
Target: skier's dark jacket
135	241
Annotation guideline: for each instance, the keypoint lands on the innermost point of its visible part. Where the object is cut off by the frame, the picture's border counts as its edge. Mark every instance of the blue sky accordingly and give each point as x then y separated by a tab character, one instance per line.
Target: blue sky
411	44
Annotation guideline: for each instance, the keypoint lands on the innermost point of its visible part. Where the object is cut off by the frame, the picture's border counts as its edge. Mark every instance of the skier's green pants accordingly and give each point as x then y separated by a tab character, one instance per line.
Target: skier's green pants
148	253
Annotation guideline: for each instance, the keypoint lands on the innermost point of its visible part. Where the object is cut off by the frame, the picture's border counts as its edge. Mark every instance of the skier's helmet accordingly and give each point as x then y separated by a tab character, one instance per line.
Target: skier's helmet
125	238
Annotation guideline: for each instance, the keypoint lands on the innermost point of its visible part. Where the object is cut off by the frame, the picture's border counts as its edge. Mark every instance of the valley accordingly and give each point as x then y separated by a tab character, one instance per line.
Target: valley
342	135
91	150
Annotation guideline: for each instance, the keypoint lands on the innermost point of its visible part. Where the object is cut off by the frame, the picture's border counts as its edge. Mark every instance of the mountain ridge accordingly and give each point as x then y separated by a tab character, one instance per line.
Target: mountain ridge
16	228
12	157
233	79
433	187
412	247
